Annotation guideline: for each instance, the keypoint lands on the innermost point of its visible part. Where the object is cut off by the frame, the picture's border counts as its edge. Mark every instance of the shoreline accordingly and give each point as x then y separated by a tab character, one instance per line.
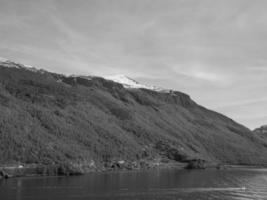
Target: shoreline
37	170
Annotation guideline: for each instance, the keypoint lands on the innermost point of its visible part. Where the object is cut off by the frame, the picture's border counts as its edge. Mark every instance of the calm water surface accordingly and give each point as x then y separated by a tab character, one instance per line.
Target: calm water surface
237	184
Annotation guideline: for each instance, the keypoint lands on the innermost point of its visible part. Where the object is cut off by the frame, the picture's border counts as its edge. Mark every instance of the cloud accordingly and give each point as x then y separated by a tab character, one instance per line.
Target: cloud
258	68
202	72
207	76
242	102
213	50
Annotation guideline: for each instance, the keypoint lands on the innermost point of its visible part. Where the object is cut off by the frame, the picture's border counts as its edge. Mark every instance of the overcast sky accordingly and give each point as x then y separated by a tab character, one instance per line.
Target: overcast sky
213	50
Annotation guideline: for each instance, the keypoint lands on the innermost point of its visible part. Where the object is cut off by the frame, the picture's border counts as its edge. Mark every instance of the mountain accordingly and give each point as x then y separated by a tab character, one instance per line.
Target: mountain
49	118
261	132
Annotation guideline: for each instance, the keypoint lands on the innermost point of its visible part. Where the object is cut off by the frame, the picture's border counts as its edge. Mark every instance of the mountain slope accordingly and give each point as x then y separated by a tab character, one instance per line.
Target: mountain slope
51	118
261	132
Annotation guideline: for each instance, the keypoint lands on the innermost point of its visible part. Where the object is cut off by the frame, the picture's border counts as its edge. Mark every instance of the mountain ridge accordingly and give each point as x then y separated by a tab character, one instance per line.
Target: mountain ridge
126	81
261	132
51	118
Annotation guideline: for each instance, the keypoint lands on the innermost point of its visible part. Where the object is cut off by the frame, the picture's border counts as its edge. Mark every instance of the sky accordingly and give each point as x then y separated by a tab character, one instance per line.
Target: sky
213	50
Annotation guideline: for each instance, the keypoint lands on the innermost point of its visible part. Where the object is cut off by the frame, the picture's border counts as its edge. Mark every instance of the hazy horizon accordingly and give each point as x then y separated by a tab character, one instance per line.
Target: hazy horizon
212	50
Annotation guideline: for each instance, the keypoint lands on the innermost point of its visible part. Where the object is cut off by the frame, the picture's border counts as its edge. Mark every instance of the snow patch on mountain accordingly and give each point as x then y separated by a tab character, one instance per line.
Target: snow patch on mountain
3	59
7	63
119	78
130	83
125	81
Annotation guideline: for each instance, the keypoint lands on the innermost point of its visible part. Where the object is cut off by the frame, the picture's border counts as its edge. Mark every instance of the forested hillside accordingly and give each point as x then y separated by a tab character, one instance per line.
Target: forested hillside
50	118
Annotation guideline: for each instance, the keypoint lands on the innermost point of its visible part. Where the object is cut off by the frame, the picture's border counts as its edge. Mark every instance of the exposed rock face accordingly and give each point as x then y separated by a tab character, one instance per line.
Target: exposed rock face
4	174
261	132
196	164
172	153
50	118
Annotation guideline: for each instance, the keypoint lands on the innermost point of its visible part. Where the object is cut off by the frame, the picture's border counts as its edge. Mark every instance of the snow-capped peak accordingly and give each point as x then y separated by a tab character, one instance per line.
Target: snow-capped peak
130	83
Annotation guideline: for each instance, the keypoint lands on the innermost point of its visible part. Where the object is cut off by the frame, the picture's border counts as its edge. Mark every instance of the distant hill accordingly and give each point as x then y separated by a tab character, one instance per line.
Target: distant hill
50	118
262	131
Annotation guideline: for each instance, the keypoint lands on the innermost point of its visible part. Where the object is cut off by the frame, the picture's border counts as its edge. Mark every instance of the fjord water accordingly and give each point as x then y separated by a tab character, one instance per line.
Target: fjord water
166	184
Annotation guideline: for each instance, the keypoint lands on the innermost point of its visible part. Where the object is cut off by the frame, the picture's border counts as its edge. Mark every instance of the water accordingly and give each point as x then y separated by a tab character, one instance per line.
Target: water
236	184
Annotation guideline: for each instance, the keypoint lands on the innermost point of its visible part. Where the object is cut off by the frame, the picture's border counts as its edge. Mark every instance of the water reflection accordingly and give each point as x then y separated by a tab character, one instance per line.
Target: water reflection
233	184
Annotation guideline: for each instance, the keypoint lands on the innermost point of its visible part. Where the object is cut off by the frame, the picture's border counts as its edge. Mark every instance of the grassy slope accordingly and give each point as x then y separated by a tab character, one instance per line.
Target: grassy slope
43	120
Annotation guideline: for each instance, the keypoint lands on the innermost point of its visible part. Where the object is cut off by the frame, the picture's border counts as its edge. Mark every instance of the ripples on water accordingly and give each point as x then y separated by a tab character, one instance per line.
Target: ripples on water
234	184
